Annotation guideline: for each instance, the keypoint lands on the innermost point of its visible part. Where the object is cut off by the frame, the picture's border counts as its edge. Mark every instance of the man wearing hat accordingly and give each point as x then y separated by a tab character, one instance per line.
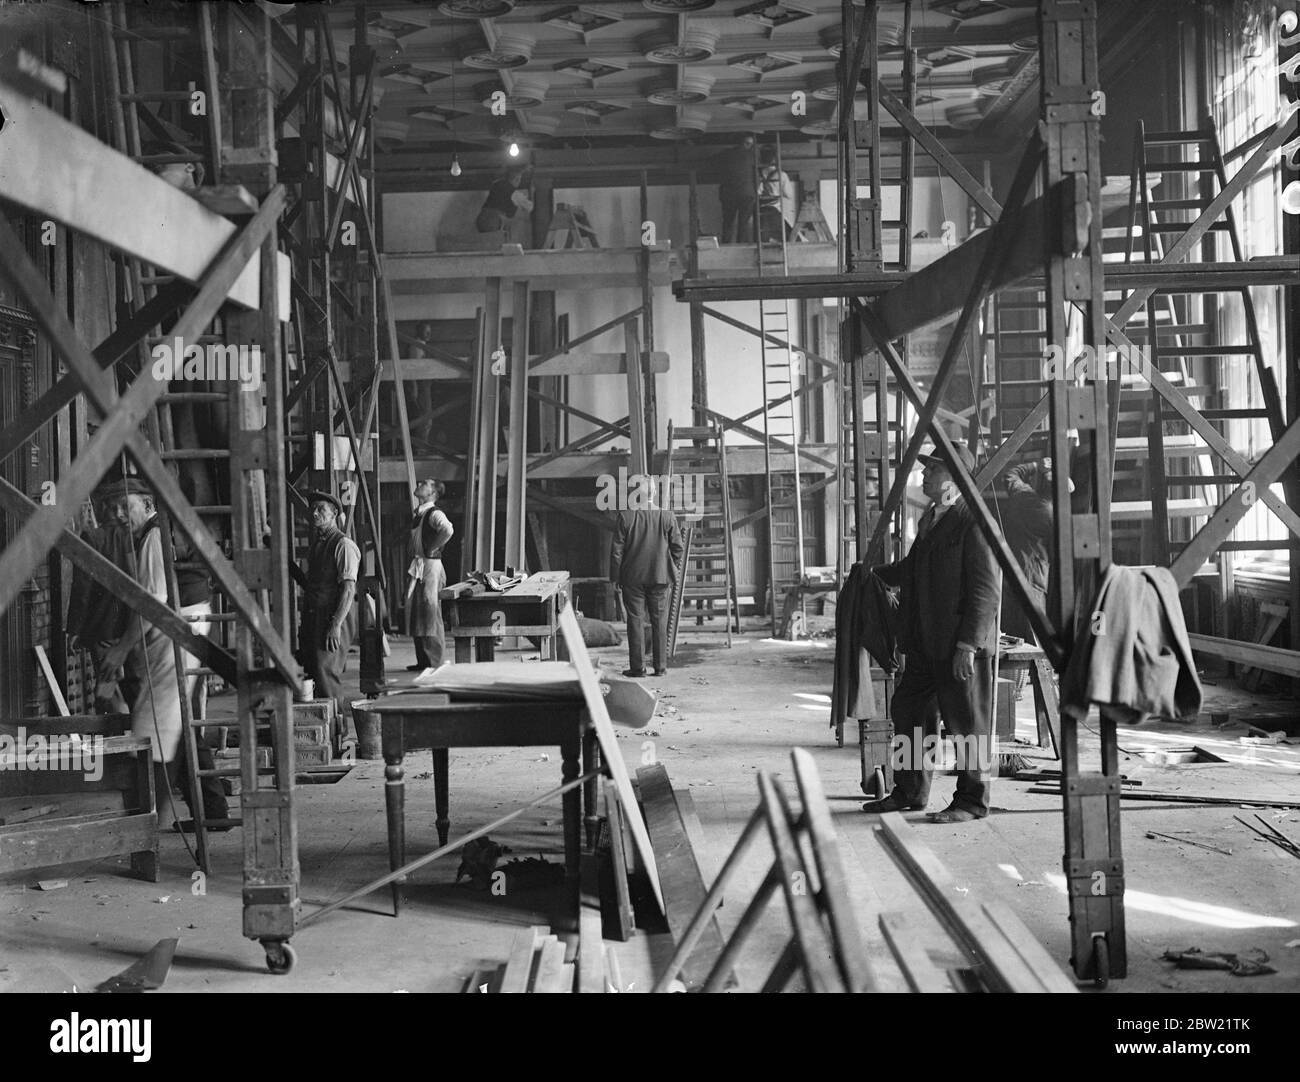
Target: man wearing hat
149	660
950	588
325	627
430	532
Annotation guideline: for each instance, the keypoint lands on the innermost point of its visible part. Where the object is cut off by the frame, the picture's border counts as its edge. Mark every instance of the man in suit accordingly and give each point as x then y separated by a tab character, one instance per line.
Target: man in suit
950	586
646	557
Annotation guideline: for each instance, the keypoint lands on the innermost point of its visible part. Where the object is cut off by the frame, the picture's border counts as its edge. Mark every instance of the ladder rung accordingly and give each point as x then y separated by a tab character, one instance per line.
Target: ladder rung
1233	414
1183	167
1179	204
1180	227
1166	138
1207	351
154	33
155	95
193	396
195	453
1195	480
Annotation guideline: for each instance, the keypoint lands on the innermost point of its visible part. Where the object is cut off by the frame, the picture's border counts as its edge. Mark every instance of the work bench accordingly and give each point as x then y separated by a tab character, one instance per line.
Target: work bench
475	617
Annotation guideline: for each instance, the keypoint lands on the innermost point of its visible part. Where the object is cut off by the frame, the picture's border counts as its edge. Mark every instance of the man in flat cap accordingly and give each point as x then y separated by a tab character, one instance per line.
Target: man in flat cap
149	660
325	626
430	532
950	588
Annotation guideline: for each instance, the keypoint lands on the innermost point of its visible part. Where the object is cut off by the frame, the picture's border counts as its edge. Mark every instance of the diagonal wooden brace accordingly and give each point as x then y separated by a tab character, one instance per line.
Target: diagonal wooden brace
111	350
969	489
1210	536
121	427
113	578
990	265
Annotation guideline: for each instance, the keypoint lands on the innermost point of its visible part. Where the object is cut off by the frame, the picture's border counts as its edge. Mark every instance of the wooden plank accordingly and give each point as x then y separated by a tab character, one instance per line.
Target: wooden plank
538	586
945	159
56	170
45	846
568	364
517	439
550	969
111	350
55	690
1271	658
519	965
1254	485
126	589
1182	798
635	400
1033	952
694	830
600	267
679	872
921	974
815	949
610	751
1002	967
591	947
483	429
846	936
22	809
622	901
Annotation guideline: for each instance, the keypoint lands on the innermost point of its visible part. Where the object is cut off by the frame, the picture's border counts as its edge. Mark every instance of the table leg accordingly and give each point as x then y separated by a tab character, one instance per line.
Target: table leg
590	762
440	799
569	752
464	650
1047	707
395	803
486	648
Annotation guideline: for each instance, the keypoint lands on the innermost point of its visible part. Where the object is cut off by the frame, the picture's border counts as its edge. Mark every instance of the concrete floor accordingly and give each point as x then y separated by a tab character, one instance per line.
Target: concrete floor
723	716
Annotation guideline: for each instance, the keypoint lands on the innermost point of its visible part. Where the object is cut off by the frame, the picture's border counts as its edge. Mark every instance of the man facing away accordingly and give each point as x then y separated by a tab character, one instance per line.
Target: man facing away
949	590
430	532
646	557
325	625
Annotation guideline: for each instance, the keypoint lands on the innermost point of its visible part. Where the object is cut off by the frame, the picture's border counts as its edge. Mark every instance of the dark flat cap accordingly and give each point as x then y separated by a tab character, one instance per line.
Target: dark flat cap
327	497
963	454
126	486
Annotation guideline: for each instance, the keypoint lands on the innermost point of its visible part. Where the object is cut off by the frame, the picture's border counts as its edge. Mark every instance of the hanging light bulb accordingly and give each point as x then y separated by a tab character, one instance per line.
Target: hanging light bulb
455	165
514	150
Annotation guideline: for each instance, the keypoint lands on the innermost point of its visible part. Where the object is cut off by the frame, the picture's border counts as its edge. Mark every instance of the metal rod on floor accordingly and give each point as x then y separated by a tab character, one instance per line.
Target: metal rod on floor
442	851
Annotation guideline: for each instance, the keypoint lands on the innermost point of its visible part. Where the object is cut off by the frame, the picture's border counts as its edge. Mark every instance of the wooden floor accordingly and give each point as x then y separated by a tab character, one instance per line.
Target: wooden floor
723	715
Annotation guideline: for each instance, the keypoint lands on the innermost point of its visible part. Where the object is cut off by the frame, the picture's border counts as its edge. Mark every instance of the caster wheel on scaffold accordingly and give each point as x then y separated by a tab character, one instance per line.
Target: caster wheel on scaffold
1100	961
280	957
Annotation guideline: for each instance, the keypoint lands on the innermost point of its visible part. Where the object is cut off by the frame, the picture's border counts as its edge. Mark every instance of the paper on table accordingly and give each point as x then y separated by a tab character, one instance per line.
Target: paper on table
628	702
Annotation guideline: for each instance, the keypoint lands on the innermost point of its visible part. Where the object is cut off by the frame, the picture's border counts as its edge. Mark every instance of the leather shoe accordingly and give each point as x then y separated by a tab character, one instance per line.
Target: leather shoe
954	814
415	668
634	672
888	804
661	672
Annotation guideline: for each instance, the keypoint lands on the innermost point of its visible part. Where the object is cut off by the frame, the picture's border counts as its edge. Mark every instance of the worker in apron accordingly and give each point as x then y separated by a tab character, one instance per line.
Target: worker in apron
426	577
325	627
148	658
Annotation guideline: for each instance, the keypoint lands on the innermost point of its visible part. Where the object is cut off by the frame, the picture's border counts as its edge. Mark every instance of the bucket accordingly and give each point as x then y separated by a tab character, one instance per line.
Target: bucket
366	723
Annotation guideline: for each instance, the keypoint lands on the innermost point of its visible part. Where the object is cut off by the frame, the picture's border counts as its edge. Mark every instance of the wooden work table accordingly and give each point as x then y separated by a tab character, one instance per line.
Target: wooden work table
416	720
475	617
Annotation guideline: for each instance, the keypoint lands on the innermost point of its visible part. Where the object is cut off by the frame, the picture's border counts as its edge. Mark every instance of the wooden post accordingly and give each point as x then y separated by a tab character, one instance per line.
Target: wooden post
517	447
635	399
485	427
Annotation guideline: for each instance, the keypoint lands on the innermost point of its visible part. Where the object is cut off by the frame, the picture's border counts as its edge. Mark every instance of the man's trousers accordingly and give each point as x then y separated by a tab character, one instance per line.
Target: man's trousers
636	599
925	692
